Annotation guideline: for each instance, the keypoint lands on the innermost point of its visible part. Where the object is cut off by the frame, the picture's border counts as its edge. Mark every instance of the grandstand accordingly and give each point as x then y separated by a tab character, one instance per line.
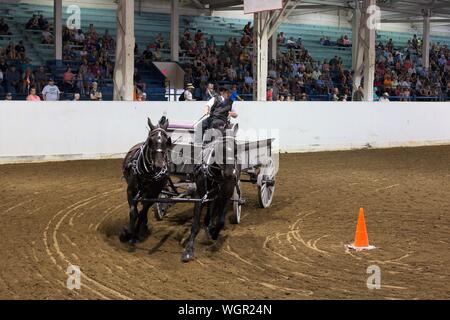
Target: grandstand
149	24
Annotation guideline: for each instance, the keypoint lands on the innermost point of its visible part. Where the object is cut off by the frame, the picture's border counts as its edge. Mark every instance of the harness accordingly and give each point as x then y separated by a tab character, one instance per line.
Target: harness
143	166
207	170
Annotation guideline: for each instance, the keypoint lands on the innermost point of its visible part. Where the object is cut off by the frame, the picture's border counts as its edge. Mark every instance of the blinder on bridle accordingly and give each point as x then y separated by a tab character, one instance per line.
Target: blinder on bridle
153	133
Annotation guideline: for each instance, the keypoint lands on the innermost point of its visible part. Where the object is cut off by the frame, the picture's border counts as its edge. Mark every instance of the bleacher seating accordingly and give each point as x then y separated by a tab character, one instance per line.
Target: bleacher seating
148	25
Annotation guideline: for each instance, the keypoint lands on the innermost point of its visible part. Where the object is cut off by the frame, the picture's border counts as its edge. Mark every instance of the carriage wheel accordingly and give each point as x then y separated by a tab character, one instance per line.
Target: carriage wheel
160	209
266	184
235	217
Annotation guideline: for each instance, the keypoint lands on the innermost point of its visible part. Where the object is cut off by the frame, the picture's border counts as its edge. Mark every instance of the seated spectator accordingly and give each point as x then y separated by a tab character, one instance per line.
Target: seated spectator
157	56
76	97
159	41
187	34
28	80
4	27
95	94
20	50
248	29
13	80
47	37
346	42
359	94
198	36
384	97
211	41
40	77
147	55
187	95
51	91
8	96
304	97
79	37
33	96
281	39
246	40
291	44
11	52
234	93
33	23
42	22
68	80
248	82
269	95
335	95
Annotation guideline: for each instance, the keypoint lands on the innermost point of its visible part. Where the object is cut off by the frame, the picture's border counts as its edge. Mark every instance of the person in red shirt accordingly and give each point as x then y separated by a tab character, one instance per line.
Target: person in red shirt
33	96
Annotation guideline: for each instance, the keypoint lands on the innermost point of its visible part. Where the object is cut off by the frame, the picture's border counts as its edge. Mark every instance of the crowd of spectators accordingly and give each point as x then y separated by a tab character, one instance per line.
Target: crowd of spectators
296	76
400	72
89	53
293	76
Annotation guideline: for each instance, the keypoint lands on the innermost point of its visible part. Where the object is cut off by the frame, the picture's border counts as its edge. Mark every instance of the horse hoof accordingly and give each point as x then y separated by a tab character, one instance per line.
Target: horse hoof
124	236
214	235
207	240
144	233
187	256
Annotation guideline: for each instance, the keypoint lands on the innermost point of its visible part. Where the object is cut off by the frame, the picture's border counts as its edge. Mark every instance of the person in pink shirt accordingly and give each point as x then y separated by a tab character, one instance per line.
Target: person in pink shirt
33	96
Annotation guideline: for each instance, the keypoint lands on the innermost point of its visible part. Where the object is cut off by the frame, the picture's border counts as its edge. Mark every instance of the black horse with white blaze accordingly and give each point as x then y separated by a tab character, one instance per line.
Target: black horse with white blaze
216	179
145	169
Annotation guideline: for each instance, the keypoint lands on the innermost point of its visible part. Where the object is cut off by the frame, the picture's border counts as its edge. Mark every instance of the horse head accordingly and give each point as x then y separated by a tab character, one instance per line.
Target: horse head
158	144
220	155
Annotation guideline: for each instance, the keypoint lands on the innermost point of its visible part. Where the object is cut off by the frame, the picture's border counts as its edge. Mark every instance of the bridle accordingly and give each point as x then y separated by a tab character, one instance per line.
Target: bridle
144	165
210	169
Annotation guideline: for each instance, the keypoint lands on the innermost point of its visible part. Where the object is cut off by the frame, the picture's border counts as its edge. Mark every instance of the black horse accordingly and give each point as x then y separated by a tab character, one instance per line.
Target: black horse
145	171
216	178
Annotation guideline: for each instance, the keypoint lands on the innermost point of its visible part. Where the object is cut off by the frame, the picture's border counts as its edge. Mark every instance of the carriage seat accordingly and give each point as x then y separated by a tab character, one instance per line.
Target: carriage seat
177	126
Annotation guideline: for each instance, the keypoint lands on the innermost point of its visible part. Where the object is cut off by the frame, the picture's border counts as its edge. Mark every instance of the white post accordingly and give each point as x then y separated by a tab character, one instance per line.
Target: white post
426	40
260	52
57	18
175	32
369	61
273	47
124	69
355	34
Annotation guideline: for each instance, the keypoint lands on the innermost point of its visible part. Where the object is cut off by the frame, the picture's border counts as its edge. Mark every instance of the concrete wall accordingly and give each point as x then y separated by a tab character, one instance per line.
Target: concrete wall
85	130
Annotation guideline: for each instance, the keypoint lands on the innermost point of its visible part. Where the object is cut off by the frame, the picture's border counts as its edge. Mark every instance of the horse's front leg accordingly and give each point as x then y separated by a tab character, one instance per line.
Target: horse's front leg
127	234
142	222
188	253
224	204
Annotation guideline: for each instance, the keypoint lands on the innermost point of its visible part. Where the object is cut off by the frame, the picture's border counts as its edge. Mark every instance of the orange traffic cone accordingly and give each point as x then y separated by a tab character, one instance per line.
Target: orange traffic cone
361	238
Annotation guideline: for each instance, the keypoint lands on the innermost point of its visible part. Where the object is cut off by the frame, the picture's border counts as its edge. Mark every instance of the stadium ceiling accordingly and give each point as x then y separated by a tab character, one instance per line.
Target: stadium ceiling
405	11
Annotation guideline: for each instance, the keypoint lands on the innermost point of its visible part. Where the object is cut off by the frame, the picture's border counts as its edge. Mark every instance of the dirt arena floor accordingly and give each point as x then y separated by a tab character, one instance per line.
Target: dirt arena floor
56	214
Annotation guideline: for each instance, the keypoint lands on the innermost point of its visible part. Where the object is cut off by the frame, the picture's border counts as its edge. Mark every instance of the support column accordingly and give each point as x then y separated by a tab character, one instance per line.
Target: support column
273	47
260	52
57	25
175	30
369	54
426	40
364	50
356	21
124	69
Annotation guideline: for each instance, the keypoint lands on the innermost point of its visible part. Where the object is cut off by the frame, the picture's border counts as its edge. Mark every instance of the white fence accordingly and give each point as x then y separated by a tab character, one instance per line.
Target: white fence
86	130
